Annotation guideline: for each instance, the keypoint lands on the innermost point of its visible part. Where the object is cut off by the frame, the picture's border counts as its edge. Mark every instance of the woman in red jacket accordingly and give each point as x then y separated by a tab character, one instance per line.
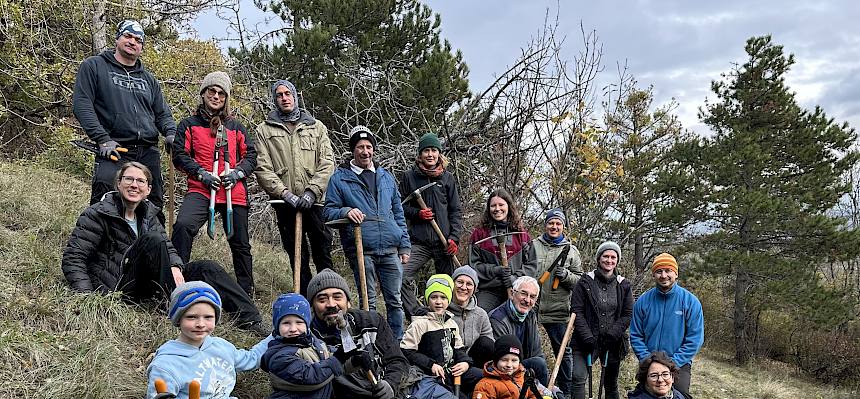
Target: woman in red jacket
199	136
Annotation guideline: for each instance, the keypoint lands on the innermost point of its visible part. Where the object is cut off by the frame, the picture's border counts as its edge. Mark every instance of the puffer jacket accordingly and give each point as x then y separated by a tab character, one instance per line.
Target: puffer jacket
347	191
483	257
641	393
92	260
194	148
442	198
498	385
554	305
299	160
472	321
302	368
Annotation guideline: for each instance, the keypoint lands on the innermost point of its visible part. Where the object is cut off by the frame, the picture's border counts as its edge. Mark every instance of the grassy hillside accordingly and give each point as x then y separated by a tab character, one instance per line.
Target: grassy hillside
58	344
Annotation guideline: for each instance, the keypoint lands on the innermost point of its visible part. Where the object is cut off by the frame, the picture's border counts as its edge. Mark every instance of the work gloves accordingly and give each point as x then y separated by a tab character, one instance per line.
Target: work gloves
209	180
108	148
504	273
588	345
561	273
452	247
230	179
291	198
362	360
168	142
306	201
426	214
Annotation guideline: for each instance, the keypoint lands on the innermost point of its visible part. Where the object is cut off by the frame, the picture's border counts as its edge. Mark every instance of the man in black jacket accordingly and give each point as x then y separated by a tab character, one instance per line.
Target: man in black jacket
518	316
443	205
118	244
119	105
364	341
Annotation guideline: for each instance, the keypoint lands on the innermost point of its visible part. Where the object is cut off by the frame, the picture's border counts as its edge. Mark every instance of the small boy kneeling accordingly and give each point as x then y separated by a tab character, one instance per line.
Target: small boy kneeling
195	307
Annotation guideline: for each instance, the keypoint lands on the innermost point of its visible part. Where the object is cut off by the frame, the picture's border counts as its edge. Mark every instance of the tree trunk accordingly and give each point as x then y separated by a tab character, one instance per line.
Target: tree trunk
741	319
99	42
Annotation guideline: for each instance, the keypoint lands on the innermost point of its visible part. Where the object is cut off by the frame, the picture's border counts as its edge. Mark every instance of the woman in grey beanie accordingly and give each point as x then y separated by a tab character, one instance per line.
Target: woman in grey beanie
472	320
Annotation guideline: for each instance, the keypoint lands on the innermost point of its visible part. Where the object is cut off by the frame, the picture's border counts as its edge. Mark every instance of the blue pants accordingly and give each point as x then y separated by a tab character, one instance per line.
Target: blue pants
555	332
389	271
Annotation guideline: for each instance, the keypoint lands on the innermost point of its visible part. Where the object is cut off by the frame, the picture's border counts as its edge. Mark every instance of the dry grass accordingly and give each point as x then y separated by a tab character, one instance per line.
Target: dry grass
58	344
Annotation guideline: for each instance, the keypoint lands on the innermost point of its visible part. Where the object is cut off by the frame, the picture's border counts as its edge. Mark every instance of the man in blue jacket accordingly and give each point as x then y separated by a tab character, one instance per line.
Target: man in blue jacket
119	105
360	190
668	318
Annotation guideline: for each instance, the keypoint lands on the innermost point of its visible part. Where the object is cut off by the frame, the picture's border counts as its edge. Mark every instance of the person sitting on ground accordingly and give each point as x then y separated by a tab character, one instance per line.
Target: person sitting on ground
472	320
195	307
505	376
362	339
500	217
118	244
515	316
433	341
656	374
299	364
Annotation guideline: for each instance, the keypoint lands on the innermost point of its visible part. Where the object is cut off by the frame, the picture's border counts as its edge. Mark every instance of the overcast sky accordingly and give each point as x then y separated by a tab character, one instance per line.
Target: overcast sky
678	46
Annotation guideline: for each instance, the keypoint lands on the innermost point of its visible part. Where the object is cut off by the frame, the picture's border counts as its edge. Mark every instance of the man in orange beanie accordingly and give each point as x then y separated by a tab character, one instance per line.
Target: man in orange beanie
668	318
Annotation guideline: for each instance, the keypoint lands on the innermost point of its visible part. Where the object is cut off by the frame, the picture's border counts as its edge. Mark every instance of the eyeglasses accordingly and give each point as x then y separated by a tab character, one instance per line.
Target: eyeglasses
215	92
129	35
533	297
464	284
664	375
128	180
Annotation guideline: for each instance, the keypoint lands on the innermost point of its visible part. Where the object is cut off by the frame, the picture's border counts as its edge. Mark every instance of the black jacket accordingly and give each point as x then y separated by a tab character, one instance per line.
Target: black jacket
583	302
92	260
444	200
112	101
370	332
502	320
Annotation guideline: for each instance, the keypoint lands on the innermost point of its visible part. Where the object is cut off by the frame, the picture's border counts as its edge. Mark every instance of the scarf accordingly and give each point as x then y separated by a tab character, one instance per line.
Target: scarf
436	171
554	241
520	316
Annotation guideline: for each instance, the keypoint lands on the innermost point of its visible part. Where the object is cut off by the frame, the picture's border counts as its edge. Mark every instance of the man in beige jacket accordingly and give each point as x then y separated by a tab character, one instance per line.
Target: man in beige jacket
294	163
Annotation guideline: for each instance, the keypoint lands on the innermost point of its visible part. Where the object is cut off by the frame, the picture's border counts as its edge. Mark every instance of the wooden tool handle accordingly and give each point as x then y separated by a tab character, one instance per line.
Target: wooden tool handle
558	358
297	253
160	386
194	389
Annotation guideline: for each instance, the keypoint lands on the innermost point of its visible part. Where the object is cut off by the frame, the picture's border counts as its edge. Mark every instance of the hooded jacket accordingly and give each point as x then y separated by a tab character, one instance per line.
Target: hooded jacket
297	159
442	198
347	191
214	364
472	321
115	102
498	385
301	368
554	305
433	339
502	320
194	148
583	302
92	260
668	321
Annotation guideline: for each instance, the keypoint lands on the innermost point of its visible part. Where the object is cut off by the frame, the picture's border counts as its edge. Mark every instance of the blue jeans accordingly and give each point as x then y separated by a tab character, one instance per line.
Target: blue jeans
555	332
390	272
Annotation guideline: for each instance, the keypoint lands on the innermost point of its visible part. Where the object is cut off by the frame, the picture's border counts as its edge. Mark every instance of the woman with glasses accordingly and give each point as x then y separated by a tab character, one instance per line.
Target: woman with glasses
208	135
603	303
500	220
471	319
655	375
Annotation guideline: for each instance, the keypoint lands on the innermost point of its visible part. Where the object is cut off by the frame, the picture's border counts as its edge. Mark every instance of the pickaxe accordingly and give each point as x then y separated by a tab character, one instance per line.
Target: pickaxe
297	248
558	359
359	253
423	205
503	251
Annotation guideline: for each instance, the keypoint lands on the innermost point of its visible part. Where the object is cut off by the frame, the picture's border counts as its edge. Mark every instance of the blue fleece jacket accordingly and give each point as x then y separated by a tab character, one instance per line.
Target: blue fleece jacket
346	191
668	321
214	364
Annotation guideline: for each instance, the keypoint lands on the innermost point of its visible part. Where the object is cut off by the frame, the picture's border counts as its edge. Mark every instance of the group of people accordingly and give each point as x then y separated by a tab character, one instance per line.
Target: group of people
481	343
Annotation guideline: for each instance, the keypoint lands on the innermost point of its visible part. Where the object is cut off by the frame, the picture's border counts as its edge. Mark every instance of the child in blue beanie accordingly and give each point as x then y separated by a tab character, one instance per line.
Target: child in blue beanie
195	307
299	364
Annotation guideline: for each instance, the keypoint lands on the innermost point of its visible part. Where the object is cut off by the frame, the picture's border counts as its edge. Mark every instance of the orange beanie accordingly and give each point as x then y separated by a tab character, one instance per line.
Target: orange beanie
664	261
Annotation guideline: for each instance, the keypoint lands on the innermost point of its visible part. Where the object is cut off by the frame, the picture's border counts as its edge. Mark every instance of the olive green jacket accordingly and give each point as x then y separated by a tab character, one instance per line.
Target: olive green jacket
299	160
554	304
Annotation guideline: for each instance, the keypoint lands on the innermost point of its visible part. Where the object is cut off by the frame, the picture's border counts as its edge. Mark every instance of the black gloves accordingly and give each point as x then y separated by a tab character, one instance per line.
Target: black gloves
209	180
232	178
504	273
561	273
588	345
306	201
291	198
362	360
108	148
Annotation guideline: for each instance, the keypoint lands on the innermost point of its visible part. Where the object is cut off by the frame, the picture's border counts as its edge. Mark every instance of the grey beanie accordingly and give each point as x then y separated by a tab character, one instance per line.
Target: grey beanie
466	270
326	279
186	295
217	78
555	213
605	247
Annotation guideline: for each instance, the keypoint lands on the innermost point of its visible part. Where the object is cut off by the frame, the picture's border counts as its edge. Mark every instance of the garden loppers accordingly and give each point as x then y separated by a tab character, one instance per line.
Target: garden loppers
590	377
457	381
210	229
94	148
603	361
222	144
559	262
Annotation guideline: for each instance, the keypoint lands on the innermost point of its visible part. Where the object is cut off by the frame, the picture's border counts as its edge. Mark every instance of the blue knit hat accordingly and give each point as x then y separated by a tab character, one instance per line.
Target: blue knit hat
290	304
555	213
186	295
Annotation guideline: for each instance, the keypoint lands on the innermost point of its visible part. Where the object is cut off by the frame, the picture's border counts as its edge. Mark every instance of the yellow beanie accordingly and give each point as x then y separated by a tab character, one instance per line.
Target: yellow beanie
664	261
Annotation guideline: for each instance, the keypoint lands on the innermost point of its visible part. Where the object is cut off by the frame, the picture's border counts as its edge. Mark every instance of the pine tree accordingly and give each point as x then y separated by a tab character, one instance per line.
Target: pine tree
762	187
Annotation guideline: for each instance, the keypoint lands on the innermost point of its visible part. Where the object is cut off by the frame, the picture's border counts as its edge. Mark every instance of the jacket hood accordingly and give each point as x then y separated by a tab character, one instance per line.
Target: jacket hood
181	349
618	278
273	118
491	370
457	310
108	56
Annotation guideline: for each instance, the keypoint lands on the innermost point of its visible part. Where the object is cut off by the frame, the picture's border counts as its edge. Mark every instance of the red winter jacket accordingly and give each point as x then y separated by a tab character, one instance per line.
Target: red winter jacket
194	148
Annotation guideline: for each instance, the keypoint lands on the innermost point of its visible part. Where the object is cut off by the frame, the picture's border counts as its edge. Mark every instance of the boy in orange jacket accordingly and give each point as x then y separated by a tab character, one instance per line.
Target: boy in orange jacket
505	376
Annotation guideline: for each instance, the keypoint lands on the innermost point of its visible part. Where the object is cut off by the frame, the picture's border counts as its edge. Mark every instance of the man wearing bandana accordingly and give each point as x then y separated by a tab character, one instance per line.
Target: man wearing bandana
371	356
120	106
294	163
